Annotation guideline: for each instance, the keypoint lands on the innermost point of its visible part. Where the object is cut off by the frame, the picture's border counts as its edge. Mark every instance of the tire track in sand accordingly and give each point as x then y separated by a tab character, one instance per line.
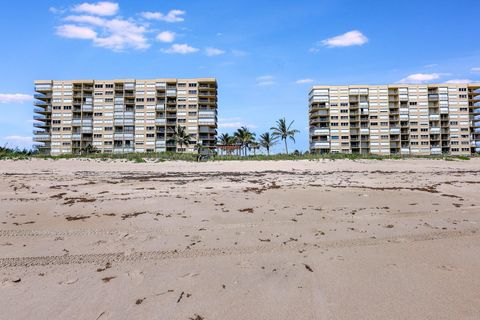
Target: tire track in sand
121	257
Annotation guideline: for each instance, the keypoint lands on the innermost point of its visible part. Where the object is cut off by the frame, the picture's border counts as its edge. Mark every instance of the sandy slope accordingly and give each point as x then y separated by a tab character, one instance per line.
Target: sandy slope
240	240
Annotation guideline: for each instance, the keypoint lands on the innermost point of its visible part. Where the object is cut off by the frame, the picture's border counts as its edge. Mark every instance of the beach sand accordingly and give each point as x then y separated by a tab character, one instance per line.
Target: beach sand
366	239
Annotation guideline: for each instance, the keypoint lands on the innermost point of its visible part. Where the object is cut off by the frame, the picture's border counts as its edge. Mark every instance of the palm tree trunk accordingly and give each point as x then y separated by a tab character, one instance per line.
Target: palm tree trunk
286	147
268	151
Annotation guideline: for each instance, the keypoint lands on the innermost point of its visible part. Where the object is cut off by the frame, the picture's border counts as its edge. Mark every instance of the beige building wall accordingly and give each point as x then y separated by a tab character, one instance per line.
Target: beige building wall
395	119
121	116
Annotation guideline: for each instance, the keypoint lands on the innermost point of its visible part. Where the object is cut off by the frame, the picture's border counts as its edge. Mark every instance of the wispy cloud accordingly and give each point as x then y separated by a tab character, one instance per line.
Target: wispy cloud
102	8
304	81
171	16
351	38
234	123
166	36
17	141
266	80
420	78
475	70
239	53
180	49
76	32
430	65
459	81
15	98
211	52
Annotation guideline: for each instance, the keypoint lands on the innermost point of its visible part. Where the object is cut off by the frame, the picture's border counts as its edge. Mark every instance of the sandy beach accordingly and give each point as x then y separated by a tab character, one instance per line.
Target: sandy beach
366	239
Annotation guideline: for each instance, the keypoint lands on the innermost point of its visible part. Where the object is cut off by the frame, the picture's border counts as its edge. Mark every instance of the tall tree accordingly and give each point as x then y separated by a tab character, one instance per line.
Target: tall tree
267	141
181	137
284	132
244	137
226	140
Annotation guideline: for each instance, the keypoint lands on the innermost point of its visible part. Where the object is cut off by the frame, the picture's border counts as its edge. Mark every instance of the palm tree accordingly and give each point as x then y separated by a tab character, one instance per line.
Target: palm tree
284	132
267	141
254	145
181	137
244	138
88	149
225	140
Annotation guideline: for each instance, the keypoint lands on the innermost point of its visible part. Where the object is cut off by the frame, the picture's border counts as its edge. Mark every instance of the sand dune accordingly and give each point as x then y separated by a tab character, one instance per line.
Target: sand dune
90	239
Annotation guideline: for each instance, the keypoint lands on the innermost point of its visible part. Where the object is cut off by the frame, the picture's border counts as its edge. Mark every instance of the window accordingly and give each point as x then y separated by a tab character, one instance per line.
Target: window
413	103
192	85
462	96
57	107
97	135
139	99
150	99
108	99
97	114
150	135
462	89
67	107
98	86
108	128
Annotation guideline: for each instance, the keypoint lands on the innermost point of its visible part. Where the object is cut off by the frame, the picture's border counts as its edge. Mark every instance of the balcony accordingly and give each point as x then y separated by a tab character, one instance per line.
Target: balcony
41	118
207	114
319	131
43	87
44	137
87	107
435	130
76	136
160	107
395	130
320	145
160	121
43	110
39	103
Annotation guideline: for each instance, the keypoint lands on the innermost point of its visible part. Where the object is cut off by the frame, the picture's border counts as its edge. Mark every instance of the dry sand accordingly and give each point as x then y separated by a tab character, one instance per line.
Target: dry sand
85	239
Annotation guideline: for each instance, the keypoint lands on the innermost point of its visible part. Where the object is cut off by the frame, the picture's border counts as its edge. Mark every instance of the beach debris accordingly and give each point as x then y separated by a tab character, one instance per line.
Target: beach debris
308	267
139	301
180	297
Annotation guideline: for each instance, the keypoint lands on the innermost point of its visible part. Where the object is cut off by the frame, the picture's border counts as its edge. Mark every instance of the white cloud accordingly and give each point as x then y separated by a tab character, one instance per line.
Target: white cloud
430	65
102	8
115	34
211	52
181	49
14	141
266	80
303	81
351	38
76	32
56	10
96	21
171	16
234	123
420	78
166	36
475	69
15	98
459	81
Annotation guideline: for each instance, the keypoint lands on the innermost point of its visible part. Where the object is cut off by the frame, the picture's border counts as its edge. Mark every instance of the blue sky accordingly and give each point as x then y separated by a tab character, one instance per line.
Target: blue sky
265	54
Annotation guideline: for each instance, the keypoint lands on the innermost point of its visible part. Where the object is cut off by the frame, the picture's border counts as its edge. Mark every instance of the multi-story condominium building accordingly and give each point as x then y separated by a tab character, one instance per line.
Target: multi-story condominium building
119	116
395	119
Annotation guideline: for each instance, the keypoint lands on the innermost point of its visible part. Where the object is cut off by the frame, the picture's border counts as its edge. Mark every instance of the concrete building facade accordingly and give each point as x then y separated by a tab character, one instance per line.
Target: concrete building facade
121	116
395	119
